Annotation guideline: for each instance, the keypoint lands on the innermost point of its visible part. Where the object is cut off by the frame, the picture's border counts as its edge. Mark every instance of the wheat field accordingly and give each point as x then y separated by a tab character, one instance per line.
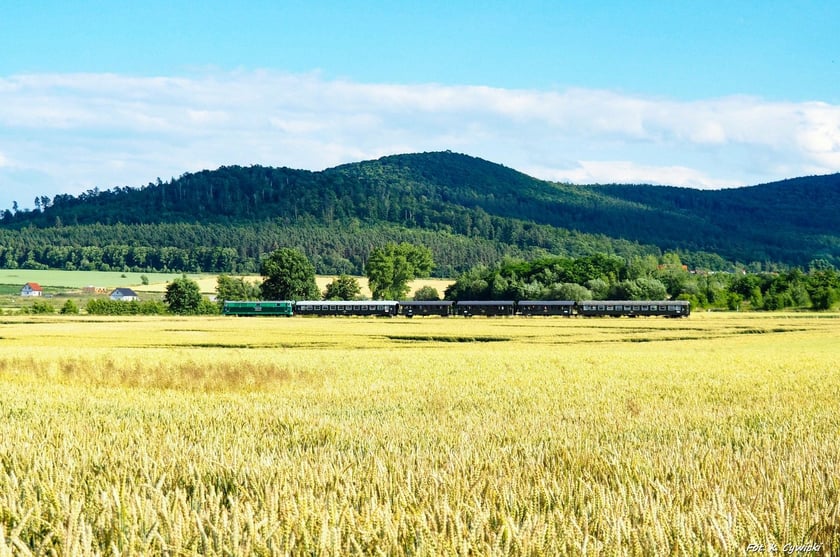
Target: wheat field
712	435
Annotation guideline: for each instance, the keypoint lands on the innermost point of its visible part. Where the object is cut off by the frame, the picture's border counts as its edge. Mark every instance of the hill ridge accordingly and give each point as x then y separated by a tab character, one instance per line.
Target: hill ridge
790	221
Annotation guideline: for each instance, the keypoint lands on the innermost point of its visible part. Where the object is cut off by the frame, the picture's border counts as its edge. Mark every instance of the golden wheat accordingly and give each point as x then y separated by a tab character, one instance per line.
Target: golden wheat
426	437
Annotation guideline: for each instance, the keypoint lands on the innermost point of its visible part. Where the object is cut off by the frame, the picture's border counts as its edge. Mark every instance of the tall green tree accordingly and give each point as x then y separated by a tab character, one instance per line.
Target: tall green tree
390	267
288	275
473	284
235	288
823	287
183	296
343	287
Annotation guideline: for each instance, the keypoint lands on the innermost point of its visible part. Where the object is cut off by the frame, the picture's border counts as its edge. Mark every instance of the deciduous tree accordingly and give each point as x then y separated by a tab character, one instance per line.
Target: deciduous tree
183	296
235	288
389	269
288	275
427	293
343	287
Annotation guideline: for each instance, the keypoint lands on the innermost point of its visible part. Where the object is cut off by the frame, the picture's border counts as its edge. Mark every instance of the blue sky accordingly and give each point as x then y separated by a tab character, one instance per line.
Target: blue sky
716	94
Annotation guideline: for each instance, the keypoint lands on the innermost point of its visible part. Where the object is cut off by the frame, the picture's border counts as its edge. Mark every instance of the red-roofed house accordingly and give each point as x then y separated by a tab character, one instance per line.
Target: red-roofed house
31	289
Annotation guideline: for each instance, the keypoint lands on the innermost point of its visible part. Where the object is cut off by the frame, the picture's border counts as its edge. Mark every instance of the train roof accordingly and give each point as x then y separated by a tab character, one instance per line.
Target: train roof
485	302
248	302
642	302
346	303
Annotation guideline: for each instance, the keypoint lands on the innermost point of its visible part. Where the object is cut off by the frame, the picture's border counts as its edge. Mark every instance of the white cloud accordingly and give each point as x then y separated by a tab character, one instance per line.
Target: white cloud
819	135
76	131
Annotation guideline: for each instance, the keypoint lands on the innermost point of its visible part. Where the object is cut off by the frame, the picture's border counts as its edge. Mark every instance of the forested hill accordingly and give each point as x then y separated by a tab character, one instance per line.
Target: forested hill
789	220
445	199
413	190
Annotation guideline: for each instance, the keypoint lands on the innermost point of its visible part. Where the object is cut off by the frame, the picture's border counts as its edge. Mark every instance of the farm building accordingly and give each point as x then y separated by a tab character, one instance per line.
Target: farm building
94	290
31	289
124	295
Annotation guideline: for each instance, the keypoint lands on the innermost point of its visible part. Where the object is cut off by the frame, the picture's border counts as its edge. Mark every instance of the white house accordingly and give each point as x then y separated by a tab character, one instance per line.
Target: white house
31	289
124	295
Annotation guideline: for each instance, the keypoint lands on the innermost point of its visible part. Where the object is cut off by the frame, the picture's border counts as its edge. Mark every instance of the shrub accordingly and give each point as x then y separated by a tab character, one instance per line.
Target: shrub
206	307
113	307
426	293
40	307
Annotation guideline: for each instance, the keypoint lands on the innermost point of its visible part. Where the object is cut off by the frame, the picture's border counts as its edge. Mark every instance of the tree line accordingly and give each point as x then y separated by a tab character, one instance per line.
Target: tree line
606	277
333	250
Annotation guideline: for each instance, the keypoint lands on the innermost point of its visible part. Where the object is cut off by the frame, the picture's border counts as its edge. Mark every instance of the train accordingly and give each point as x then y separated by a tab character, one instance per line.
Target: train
464	308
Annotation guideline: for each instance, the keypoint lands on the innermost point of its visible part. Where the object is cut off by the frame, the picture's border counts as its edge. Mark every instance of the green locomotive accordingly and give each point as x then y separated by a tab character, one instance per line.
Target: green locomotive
262	307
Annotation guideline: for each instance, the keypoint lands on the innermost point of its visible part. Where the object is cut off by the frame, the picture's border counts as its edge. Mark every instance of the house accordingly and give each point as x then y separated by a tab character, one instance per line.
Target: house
124	295
31	289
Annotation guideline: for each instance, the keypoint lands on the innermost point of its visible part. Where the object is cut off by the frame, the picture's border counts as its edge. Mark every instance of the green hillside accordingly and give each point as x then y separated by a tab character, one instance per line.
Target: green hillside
792	221
467	210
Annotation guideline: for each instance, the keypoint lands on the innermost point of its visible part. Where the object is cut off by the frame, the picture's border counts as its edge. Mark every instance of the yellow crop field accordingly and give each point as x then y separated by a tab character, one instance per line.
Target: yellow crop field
207	284
713	435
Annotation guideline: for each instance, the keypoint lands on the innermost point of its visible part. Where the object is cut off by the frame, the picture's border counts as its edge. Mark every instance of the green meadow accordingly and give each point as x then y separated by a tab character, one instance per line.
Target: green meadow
60	280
